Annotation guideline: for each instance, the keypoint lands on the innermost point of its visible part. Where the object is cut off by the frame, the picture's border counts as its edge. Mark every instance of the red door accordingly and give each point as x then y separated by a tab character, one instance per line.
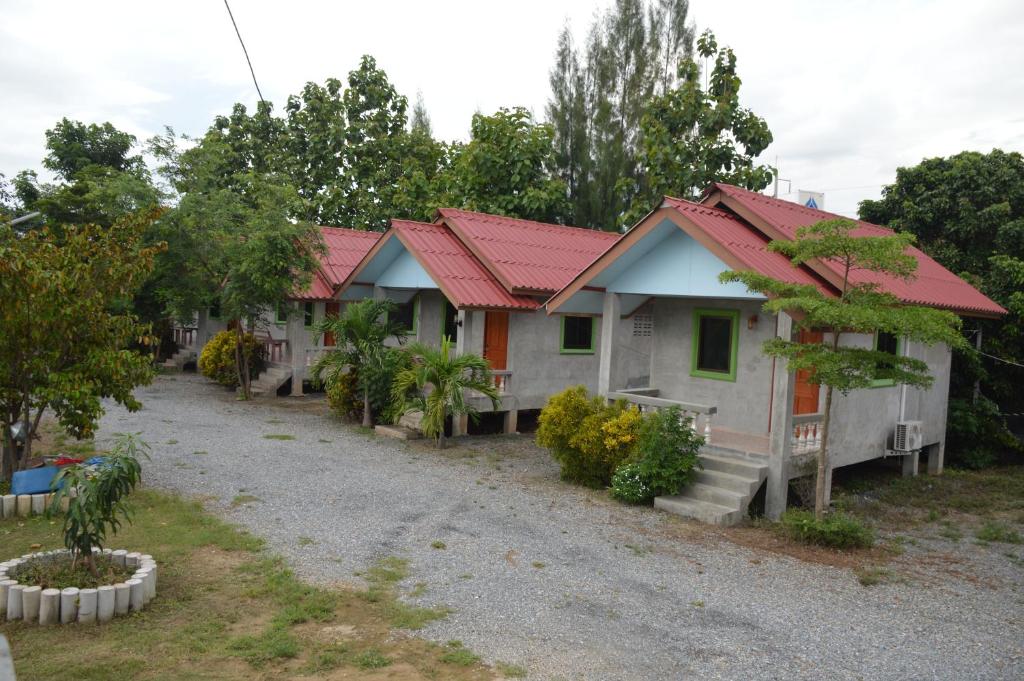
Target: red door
805	398
332	310
496	339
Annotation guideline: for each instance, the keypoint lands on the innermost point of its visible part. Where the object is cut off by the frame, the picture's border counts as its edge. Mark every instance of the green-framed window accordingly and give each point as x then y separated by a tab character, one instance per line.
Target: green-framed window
214	310
716	343
281	313
308	314
891	344
450	323
407	314
578	335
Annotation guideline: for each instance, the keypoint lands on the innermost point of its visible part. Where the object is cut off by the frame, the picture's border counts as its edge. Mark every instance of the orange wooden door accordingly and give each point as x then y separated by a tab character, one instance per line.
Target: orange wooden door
496	338
332	309
805	397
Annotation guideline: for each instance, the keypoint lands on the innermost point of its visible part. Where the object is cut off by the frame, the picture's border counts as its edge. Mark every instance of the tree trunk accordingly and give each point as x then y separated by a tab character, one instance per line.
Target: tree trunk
441	441
819	486
241	363
367	416
7	456
26	449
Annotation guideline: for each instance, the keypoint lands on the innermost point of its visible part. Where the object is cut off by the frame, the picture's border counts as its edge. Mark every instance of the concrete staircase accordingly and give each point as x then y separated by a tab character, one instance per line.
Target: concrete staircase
720	492
272	378
179	359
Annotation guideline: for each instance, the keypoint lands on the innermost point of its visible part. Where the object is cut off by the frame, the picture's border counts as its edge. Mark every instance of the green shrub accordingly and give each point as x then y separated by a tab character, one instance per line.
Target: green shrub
998	532
217	360
588	438
628	485
835	530
344	397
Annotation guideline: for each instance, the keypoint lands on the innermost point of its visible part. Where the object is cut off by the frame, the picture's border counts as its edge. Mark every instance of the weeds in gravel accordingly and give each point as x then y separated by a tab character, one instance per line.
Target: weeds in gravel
372	659
458	655
511	671
993	531
440	545
242	499
872	575
383	579
306	541
836	530
278	436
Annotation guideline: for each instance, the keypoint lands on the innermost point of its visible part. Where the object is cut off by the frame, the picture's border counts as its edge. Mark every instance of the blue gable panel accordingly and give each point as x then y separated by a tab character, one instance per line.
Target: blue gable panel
405	272
380	262
674	265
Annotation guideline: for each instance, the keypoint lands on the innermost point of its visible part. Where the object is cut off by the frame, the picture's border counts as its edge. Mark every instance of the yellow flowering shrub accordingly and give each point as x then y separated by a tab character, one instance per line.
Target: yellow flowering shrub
217	360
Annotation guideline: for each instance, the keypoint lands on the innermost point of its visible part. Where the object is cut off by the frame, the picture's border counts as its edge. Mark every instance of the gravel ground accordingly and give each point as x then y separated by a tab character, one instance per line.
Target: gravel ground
562	580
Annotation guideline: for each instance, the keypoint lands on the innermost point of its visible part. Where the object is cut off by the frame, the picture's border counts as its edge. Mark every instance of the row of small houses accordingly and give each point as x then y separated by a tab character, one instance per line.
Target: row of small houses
642	317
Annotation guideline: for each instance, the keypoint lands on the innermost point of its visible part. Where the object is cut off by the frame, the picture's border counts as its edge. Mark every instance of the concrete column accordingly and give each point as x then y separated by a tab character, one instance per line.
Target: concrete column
5	587
465	332
611	312
24	505
936	455
117	557
781	428
137	595
68	605
38	504
49	606
87	606
910	464
30	603
105	603
460	425
511	421
14	602
8	505
122	598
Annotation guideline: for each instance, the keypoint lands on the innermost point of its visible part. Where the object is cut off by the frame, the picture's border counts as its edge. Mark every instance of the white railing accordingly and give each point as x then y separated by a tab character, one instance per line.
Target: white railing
807	430
313	355
646	399
275	351
184	336
501	378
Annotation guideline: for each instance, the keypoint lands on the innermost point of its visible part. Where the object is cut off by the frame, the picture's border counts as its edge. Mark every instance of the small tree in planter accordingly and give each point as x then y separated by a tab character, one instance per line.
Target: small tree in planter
440	382
96	498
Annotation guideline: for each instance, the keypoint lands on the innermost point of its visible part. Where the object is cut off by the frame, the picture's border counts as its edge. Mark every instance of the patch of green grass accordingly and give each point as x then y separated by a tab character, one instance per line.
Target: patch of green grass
458	655
537	564
371	659
242	499
638	550
172	442
306	541
278	436
697	604
275	421
872	575
273	644
993	531
384	577
418	590
950	531
836	530
200	453
325	442
327	659
511	671
437	544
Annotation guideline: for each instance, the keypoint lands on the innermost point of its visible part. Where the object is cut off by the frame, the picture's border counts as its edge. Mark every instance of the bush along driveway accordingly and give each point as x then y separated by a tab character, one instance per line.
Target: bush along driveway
560	580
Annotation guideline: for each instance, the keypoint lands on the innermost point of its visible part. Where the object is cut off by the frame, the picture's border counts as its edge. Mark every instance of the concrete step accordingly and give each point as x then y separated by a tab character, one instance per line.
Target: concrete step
734	483
714	495
398	432
411	420
733	466
704	511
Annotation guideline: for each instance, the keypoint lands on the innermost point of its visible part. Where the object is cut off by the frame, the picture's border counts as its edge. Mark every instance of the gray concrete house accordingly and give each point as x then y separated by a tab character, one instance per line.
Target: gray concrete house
761	422
482	281
287	332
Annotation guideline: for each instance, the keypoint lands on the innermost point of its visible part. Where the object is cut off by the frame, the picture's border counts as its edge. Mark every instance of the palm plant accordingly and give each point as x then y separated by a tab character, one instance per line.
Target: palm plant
360	332
436	385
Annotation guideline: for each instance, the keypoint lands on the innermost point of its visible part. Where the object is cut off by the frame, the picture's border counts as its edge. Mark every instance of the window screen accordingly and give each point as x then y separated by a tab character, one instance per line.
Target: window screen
578	334
405	314
307	314
714	344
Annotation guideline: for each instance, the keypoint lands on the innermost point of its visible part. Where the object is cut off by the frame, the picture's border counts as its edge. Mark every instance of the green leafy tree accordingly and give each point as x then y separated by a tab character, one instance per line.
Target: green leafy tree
967	212
232	239
440	381
506	169
858	308
598	96
74	146
694	136
96	497
67	339
361	331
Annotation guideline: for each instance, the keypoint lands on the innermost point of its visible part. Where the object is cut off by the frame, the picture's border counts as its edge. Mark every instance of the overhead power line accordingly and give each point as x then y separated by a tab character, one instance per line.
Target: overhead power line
245	51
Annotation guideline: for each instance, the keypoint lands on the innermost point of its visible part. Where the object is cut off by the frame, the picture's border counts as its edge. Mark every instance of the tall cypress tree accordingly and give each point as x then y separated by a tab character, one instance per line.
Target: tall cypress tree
598	99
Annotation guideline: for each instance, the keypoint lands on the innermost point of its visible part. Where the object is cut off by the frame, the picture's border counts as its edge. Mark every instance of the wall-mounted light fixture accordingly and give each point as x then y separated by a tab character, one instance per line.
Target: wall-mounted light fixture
752	321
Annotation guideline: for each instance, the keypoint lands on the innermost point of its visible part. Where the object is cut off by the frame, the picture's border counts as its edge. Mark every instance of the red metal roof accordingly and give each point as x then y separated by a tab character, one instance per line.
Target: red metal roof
458	273
746	244
524	255
344	249
933	284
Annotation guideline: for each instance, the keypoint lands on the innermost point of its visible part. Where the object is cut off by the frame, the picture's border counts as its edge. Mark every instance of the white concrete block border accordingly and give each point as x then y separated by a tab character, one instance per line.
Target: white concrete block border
25	505
30	603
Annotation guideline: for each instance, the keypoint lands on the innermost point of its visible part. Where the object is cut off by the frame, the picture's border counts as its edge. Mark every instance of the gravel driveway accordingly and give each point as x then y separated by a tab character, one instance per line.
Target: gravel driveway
561	580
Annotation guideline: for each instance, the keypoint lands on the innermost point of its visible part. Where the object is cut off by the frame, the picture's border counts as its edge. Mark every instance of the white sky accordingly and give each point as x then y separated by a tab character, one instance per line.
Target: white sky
851	90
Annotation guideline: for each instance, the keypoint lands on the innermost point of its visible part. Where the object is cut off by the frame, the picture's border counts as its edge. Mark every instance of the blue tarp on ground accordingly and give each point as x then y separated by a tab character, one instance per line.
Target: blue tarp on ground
33	481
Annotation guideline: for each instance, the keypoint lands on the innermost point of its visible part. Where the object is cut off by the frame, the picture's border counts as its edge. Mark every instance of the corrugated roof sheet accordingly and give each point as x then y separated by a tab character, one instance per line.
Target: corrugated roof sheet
345	248
526	255
933	284
746	244
461	277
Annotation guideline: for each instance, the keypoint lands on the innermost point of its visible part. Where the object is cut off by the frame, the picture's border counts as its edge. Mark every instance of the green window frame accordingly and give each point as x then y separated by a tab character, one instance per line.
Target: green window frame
699	315
896	341
577	350
308	314
415	300
281	313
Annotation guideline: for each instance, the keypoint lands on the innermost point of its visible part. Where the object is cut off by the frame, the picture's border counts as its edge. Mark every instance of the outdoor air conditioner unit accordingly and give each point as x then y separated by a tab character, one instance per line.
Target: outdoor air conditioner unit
909	436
